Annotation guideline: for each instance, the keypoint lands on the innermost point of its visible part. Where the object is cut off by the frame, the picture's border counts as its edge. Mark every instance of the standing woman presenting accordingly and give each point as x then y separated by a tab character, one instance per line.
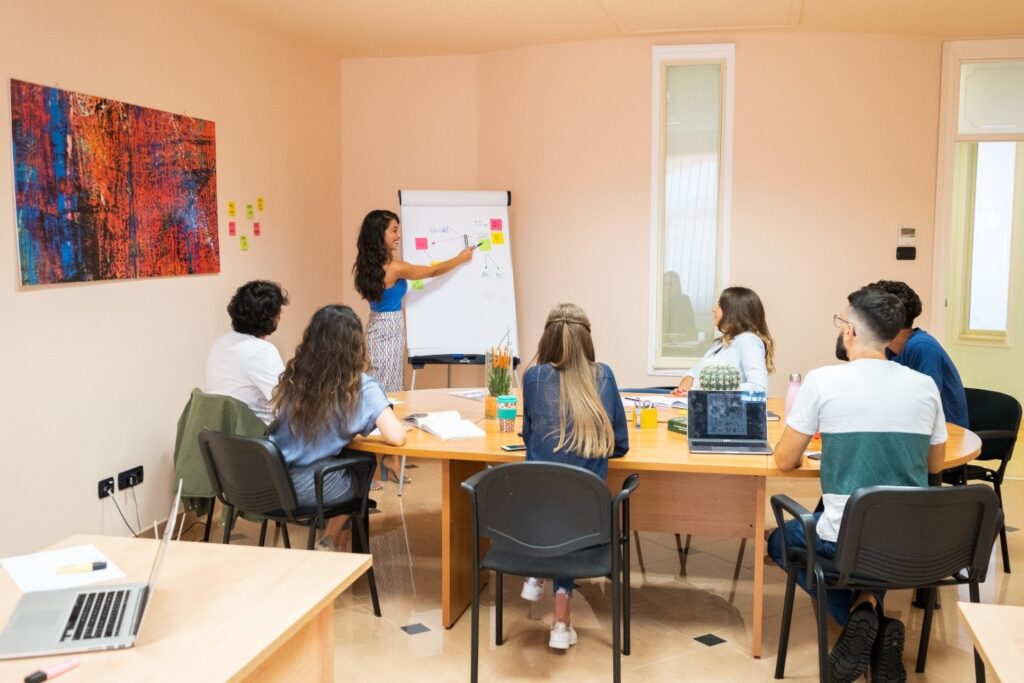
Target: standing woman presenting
381	276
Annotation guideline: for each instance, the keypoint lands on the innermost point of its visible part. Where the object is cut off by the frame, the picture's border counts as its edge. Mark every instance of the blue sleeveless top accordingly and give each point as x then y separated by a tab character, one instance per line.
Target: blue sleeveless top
391	298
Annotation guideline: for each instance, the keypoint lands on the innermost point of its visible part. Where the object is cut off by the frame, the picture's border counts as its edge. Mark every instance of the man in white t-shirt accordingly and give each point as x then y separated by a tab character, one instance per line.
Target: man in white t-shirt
242	363
881	424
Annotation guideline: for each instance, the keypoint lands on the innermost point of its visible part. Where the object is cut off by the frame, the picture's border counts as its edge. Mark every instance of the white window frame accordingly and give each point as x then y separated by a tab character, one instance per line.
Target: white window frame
663	56
954	53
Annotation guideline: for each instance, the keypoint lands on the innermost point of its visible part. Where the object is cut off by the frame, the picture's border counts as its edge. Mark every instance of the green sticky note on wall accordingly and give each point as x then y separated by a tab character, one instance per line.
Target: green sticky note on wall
417	284
485	244
243	242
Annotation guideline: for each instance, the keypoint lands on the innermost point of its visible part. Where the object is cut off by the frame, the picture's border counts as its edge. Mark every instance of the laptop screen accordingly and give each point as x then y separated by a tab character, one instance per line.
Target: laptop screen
727	415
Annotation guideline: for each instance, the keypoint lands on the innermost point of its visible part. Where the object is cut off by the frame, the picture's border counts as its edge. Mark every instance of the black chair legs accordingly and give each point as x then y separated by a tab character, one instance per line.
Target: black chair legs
787	620
499	594
209	521
263	532
926	629
228	524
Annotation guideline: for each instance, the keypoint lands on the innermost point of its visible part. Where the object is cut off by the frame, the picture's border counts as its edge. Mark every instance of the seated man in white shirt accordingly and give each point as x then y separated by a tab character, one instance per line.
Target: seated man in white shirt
242	363
881	424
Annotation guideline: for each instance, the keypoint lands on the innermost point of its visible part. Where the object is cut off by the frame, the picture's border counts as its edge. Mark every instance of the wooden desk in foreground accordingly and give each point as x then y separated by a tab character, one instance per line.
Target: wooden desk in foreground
680	492
219	613
998	634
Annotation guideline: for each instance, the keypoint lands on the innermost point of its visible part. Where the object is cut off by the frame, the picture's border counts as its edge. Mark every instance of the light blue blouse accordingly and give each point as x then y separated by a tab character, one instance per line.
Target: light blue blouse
746	352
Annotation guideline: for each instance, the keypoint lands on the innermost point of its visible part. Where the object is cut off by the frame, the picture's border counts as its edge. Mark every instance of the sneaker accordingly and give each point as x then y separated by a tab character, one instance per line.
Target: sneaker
851	655
326	544
887	662
562	636
533	589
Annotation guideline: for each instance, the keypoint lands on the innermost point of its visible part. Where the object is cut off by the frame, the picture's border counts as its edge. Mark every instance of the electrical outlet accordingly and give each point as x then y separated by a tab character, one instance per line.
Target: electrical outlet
105	487
129	478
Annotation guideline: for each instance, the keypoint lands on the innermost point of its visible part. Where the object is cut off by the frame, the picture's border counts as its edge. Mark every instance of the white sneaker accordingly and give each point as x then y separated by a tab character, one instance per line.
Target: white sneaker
326	544
533	589
562	636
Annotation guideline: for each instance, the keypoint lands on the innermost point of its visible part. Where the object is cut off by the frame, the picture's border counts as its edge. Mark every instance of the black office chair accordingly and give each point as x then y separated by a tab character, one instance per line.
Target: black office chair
891	538
549	520
249	474
995	417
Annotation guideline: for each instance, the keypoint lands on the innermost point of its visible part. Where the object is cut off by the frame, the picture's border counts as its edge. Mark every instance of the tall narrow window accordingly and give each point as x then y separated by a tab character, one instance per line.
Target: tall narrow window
690	198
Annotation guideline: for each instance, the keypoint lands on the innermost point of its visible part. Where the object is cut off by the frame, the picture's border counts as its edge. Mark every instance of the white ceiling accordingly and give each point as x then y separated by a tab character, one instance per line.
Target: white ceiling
391	28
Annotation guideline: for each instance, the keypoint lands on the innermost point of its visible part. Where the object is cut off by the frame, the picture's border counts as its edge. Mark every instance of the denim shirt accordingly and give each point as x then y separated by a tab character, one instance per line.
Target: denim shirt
540	417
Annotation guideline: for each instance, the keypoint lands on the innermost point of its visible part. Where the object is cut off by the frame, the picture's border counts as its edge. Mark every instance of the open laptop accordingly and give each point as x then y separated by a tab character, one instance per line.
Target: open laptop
104	617
727	422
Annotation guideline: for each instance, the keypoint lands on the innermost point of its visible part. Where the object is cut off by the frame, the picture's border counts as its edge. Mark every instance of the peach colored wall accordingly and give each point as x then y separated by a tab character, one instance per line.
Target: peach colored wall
835	144
95	375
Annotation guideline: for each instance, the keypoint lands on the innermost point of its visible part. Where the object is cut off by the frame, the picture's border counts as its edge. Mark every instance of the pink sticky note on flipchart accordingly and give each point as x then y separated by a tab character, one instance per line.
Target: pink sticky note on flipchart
232	231
421	243
256	229
495	224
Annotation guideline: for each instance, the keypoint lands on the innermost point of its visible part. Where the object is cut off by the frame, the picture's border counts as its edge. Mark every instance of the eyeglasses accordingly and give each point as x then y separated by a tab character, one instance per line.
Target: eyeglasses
839	322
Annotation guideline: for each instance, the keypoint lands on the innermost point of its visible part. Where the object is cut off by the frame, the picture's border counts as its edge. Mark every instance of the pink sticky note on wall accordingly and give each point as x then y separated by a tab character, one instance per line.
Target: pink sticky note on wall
256	229
232	231
495	224
421	243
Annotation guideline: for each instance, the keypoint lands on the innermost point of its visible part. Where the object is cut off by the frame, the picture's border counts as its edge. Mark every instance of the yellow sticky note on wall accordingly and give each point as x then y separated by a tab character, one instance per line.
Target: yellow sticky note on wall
231	209
259	203
248	211
417	284
497	238
243	242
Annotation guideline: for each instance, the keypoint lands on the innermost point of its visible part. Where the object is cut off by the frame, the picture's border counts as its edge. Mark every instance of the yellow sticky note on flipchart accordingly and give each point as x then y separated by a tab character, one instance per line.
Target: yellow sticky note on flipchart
484	244
231	209
417	284
497	238
243	242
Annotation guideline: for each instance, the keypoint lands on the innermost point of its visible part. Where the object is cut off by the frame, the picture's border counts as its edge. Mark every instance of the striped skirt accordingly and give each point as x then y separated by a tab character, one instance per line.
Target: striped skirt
385	340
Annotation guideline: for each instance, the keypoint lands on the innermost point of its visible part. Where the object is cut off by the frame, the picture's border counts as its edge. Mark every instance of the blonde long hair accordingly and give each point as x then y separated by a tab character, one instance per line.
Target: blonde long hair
566	344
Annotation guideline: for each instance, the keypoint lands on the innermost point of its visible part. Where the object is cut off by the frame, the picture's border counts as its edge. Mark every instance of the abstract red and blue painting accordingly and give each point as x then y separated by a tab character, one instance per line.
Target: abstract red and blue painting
106	190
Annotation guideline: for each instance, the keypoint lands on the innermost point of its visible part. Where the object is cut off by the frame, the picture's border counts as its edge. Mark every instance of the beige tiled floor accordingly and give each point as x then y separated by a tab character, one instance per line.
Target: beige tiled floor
672	604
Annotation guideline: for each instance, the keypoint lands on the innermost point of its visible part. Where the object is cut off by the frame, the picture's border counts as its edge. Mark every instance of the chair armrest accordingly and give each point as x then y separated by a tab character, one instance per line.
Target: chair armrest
629	485
469	485
336	465
782	503
988	434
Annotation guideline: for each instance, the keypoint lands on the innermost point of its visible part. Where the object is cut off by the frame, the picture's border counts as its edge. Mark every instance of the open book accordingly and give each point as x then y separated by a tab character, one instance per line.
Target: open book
445	424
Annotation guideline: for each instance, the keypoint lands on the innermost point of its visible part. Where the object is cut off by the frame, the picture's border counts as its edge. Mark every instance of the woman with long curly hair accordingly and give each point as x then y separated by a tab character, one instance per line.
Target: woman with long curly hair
745	342
324	399
380	275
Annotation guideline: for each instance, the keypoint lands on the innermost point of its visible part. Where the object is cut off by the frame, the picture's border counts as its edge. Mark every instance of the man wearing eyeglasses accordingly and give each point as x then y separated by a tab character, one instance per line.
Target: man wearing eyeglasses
881	424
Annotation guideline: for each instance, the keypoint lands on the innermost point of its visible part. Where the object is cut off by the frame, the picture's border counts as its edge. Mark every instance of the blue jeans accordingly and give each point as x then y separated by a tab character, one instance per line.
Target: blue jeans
837	600
561	584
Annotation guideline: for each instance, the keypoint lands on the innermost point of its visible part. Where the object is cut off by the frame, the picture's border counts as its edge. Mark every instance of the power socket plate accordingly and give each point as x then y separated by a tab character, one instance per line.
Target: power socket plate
129	478
105	487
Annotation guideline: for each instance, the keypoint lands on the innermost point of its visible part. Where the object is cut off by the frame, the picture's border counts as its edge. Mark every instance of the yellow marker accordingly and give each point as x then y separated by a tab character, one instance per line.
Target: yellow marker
259	203
231	209
497	238
82	567
243	241
417	284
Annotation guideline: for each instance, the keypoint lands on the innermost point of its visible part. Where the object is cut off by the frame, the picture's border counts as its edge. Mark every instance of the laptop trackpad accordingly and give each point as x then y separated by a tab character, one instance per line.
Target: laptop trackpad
42	618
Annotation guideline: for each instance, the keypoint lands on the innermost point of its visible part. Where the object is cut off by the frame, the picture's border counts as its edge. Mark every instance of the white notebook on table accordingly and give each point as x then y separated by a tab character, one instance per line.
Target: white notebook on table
445	424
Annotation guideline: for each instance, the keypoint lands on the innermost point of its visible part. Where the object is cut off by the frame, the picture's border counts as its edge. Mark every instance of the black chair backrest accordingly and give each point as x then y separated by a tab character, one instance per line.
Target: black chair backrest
248	473
905	536
543	509
990	411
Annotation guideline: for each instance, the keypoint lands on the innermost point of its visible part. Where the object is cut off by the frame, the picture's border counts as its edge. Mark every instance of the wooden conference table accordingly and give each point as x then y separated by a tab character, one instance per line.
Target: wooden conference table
219	613
998	634
714	495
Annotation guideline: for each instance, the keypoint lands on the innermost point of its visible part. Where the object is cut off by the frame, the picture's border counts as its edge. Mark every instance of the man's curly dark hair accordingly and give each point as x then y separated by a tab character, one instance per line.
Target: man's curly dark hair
908	297
255	307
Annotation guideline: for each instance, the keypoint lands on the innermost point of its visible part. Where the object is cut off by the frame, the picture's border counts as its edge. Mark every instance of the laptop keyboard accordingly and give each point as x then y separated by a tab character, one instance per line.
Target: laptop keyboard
96	615
703	443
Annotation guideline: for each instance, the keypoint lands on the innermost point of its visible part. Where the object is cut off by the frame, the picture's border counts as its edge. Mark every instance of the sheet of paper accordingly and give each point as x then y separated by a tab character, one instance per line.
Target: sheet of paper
473	394
396	401
38	571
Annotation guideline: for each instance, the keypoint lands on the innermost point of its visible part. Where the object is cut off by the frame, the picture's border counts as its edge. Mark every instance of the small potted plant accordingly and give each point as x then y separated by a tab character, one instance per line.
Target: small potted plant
498	375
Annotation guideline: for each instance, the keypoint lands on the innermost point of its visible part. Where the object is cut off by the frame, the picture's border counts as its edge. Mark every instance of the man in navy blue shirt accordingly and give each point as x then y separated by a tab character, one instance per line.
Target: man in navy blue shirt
918	350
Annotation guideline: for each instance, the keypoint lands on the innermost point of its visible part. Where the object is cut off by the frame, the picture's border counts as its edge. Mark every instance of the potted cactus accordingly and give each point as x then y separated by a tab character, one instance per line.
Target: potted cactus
498	376
720	377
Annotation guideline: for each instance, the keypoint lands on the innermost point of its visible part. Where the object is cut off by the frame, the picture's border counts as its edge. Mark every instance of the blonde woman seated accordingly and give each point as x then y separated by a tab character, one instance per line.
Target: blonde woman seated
745	342
572	414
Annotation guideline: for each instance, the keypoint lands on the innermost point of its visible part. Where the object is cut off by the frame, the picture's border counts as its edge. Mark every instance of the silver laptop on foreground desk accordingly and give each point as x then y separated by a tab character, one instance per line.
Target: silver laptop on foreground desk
85	618
727	422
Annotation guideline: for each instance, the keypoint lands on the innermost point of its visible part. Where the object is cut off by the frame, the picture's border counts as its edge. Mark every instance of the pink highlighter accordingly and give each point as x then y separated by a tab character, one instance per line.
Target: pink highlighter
53	671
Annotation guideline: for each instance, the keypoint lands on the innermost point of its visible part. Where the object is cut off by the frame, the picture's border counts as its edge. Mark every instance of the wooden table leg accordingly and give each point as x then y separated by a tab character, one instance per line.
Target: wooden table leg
308	655
456	539
759	550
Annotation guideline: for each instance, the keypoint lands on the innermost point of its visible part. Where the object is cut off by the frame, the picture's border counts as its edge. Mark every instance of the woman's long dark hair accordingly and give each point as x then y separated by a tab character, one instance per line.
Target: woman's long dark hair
373	255
320	386
742	311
